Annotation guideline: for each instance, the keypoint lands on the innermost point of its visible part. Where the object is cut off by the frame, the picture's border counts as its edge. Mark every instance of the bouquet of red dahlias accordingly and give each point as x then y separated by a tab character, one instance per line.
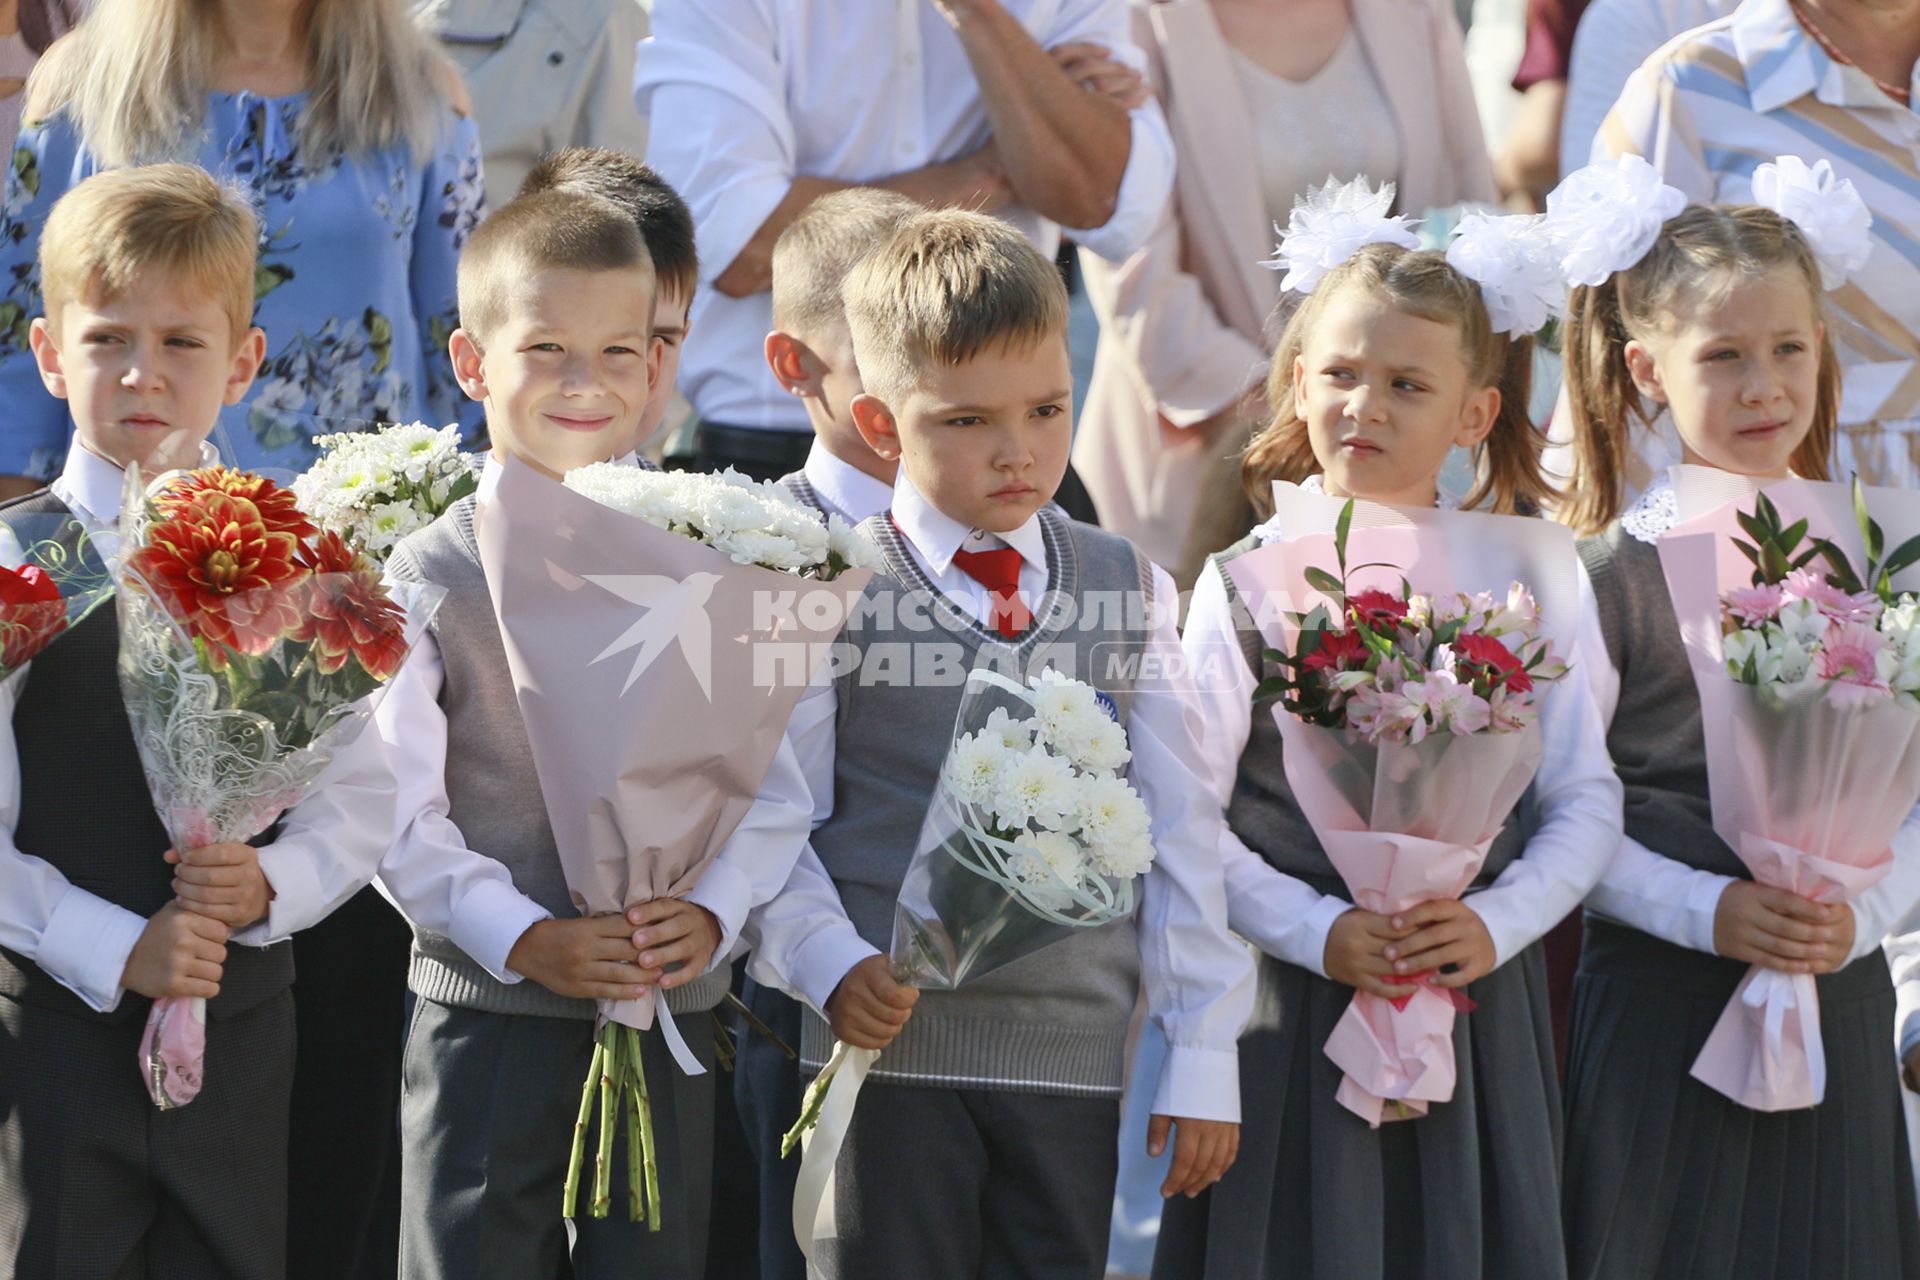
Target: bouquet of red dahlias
249	643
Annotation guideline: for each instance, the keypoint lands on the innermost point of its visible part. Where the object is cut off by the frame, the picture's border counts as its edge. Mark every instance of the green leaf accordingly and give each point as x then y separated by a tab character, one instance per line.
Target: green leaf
1904	556
1805	558
1756	528
1325	583
1869	531
1790	536
1341	527
1271	687
268	276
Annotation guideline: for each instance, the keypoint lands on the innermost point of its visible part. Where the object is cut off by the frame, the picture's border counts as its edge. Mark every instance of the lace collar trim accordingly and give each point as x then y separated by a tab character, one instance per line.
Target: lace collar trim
1653	514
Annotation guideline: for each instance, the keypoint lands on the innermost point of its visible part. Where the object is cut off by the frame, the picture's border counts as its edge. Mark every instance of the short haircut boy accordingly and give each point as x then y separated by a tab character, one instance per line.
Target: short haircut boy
945	287
545	231
655	207
125	228
813	256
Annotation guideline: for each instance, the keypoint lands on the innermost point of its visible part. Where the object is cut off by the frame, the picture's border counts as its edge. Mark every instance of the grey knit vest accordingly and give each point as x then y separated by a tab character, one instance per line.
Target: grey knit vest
493	791
1055	1021
1263	812
802	488
1657	740
85	807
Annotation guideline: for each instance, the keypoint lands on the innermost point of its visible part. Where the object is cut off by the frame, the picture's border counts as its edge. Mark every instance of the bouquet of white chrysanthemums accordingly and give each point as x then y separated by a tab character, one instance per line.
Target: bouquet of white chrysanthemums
752	522
373	488
1041	809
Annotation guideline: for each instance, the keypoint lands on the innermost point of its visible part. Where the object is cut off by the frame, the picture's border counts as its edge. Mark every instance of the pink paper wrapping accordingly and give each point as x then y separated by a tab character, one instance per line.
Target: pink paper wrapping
652	715
1808	794
1405	824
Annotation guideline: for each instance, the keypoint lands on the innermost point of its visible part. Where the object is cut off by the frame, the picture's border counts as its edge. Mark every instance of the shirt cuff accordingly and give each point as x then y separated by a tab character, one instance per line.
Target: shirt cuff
823	960
86	944
727	893
296	887
1310	936
1703	901
1509	922
1199	1084
489	920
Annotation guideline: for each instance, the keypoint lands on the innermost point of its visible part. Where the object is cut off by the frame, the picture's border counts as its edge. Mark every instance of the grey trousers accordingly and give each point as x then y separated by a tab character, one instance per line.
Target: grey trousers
973	1184
96	1182
487	1111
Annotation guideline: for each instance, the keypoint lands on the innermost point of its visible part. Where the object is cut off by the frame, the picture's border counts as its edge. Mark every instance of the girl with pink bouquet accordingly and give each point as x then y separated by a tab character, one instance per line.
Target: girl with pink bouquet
1715	315
1395	358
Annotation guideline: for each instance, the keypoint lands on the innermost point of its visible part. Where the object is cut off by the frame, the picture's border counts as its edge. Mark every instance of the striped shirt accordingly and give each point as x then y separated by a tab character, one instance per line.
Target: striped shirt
1721	100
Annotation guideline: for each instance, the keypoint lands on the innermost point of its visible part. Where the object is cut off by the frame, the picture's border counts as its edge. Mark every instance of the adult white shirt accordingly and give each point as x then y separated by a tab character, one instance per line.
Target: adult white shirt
747	95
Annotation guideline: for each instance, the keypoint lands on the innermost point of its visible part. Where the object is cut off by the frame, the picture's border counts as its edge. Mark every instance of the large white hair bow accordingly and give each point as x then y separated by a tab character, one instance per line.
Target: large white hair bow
1330	224
1514	260
1826	208
1606	216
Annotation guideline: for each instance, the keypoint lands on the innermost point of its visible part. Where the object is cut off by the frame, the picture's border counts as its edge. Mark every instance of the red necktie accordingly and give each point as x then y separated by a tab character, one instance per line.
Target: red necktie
999	572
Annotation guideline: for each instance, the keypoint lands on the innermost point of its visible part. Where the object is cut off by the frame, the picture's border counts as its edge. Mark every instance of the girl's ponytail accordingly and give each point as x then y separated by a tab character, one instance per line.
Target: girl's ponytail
1511	479
1604	404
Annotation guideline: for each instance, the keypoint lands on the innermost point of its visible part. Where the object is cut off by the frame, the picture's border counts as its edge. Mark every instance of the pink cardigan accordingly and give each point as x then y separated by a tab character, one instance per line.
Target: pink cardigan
1183	319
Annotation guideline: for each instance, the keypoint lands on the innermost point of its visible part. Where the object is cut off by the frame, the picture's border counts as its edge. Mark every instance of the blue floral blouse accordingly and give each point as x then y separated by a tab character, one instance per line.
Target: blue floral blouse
354	287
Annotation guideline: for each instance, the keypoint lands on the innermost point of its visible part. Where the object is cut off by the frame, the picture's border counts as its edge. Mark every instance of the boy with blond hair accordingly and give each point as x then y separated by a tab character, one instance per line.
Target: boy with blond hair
505	969
667	227
984	1143
811	350
147	275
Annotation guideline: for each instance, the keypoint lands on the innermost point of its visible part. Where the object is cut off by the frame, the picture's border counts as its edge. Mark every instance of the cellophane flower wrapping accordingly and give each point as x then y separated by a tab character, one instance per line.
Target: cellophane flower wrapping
1033	833
659	629
250	646
51	579
1813	763
1408	755
373	488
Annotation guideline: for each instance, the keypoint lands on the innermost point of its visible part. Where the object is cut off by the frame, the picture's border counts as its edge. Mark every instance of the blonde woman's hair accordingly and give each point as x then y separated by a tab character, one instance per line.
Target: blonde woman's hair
156	226
1702	251
1424	284
945	287
813	256
550	230
134	77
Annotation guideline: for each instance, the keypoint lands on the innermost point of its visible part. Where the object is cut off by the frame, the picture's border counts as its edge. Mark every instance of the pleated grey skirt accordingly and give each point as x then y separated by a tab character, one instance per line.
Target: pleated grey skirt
1468	1192
1668	1180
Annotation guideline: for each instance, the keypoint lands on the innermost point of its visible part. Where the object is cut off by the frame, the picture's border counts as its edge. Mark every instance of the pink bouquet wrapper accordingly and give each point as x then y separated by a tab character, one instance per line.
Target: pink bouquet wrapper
1405	823
1808	793
651	716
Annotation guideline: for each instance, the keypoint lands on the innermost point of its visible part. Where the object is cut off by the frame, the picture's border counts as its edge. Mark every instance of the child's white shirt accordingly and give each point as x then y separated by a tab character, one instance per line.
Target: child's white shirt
1576	791
1675	902
1198	981
444	885
328	847
844	489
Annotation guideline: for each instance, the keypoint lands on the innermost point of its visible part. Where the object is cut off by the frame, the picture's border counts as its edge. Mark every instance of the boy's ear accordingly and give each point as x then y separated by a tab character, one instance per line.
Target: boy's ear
465	354
46	357
876	425
1477	417
247	359
793	364
656	356
1645	372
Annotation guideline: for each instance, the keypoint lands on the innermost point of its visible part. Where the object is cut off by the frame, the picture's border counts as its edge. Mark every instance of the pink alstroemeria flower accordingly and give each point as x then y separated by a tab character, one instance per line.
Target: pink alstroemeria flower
1841	606
1755	605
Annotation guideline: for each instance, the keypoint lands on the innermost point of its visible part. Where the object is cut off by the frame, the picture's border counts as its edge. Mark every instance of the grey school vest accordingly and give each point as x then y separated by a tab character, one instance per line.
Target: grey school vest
1263	812
493	792
85	807
1055	1021
1657	740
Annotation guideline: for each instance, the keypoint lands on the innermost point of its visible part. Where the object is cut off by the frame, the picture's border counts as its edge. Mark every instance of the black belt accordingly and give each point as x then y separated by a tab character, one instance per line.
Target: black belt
771	446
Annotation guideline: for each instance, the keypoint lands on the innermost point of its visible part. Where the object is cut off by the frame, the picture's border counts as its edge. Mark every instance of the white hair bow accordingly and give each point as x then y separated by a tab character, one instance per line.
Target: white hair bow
1606	216
1514	260
1330	224
1826	208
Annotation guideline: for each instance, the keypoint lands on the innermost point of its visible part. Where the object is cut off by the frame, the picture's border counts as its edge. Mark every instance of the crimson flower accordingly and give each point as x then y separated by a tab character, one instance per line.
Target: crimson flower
1503	668
31	615
347	612
1377	609
1338	651
221	571
279	510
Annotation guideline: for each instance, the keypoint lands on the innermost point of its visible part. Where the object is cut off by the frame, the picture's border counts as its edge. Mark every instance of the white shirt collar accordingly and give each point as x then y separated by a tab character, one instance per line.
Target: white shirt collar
847	491
90	486
1653	513
937	536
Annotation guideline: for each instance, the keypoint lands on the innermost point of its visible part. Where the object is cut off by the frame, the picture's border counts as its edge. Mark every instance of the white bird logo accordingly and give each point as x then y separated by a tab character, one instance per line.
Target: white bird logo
675	614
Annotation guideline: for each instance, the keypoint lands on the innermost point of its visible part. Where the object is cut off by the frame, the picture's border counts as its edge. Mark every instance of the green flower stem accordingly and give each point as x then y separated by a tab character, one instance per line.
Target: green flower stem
809	1112
638	1075
630	1107
570	1195
603	1159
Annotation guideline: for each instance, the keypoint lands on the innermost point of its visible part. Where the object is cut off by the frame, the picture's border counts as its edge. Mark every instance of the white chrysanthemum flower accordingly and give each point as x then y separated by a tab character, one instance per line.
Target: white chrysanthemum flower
1016	734
1036	786
1115	826
974	767
1049	867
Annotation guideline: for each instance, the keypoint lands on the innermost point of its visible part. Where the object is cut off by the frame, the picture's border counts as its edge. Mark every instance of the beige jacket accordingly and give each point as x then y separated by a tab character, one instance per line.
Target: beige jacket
1183	321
